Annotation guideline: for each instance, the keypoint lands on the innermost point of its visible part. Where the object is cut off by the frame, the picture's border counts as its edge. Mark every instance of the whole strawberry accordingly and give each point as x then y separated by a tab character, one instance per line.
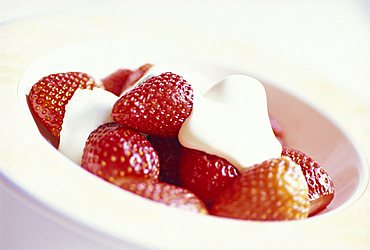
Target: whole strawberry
320	185
273	190
165	193
48	98
159	106
168	150
113	152
204	174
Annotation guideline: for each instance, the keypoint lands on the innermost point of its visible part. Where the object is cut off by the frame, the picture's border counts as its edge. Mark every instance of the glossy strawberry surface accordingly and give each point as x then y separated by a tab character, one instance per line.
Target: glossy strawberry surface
159	106
165	193
48	98
113	152
320	185
204	174
273	190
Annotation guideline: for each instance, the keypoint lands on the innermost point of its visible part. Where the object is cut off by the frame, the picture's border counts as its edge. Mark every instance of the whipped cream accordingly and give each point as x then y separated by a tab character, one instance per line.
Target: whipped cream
86	110
231	121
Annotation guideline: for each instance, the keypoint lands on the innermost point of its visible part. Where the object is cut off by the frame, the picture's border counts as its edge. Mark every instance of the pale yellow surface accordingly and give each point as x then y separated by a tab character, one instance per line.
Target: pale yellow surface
21	42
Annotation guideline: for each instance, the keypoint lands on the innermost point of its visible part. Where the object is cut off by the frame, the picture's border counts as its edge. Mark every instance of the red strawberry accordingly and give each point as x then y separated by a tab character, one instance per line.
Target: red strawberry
136	75
168	150
116	81
320	185
49	96
159	106
272	190
113	152
204	174
164	193
122	79
278	131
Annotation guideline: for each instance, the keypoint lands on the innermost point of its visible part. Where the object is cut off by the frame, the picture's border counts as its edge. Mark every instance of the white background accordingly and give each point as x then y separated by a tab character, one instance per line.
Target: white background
331	37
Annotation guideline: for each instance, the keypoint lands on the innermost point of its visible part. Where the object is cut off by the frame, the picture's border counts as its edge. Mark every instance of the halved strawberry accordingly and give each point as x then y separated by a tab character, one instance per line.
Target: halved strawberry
204	174
116	81
273	190
136	75
320	185
113	152
122	79
159	106
168	150
170	195
48	98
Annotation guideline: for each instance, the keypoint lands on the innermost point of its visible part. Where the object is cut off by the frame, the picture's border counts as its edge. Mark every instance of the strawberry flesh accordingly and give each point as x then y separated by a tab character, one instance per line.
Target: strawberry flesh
159	106
122	79
136	75
273	190
116	81
113	151
320	185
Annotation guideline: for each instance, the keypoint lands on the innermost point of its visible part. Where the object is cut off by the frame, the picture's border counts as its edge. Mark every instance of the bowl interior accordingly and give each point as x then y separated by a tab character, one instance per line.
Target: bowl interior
318	135
306	127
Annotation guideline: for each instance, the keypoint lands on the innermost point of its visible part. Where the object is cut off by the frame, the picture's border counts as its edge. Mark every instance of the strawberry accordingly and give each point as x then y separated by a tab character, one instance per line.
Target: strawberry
320	185
116	81
165	193
204	174
113	151
278	131
272	190
123	79
168	150
136	75
159	106
48	98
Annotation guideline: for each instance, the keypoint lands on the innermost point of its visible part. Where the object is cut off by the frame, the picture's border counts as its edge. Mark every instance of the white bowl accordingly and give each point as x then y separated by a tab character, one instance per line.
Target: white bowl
307	128
87	204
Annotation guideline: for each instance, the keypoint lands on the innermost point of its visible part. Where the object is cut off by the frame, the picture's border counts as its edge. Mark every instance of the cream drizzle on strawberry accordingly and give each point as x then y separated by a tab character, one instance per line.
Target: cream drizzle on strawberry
231	121
86	110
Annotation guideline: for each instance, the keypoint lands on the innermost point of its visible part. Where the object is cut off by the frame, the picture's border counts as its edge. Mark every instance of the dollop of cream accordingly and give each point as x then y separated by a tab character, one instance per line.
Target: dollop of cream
86	110
231	121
